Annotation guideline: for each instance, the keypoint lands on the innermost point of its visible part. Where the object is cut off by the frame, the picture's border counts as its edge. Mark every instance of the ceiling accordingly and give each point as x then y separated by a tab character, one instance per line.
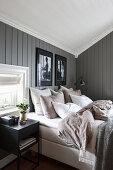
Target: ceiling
72	25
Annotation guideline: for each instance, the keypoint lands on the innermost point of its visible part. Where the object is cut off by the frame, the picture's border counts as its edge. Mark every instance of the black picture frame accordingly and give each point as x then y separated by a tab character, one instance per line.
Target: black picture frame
60	70
44	67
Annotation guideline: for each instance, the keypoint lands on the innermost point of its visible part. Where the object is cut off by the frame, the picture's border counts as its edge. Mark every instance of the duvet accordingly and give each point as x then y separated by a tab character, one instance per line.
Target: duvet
76	128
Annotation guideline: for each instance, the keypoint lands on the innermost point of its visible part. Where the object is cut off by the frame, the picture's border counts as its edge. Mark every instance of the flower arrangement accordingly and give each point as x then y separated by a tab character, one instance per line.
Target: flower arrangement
23	107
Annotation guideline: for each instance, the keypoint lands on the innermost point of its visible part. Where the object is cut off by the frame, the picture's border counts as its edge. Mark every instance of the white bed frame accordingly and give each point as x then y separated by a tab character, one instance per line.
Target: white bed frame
62	153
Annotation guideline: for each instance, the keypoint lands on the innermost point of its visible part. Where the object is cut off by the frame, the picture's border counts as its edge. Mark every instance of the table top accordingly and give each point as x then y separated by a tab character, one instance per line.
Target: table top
18	127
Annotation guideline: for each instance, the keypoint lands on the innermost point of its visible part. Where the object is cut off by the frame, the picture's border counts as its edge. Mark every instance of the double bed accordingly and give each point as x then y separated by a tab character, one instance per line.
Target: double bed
69	120
54	147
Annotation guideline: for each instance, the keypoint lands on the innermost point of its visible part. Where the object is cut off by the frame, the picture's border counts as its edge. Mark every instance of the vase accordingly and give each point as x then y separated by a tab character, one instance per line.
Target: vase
23	117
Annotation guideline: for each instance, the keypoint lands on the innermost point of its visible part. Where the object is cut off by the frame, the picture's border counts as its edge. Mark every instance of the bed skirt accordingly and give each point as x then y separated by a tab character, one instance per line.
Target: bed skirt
65	154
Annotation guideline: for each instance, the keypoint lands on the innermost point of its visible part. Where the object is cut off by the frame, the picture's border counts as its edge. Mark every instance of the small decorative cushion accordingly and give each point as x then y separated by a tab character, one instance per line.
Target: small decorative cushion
55	92
81	101
65	88
47	107
35	95
65	109
67	94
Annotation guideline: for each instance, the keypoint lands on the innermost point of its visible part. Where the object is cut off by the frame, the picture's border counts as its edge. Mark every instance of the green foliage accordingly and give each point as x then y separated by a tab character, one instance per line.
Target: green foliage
22	107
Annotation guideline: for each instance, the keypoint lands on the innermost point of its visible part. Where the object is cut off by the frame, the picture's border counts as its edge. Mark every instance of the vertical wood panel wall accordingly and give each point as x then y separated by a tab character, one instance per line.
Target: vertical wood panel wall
96	67
18	48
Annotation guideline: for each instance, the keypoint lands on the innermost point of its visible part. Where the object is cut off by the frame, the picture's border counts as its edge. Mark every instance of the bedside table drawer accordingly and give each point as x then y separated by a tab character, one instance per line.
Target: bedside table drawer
28	131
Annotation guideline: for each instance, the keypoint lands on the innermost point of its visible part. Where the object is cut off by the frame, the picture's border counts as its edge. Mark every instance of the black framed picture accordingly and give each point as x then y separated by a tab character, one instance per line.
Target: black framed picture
44	64
60	70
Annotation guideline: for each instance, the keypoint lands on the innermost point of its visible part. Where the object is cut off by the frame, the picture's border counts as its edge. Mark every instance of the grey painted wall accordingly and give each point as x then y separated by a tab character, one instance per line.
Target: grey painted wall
96	67
18	48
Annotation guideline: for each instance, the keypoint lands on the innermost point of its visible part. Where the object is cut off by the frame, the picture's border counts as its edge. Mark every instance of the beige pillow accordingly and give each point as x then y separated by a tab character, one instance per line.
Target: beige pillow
35	95
65	88
67	94
55	92
47	106
62	88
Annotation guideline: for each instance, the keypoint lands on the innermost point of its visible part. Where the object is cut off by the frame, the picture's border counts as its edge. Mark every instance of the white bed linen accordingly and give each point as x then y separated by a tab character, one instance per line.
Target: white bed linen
53	123
48	132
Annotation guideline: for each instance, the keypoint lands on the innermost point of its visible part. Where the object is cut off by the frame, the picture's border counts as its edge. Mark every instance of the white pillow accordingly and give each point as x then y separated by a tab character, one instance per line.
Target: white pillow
64	109
35	95
81	101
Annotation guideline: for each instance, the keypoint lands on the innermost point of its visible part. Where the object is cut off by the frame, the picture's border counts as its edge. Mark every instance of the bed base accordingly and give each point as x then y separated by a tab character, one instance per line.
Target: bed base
62	153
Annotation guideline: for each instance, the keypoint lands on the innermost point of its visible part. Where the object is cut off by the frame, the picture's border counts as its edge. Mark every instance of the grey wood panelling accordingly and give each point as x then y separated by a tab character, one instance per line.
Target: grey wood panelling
14	47
33	62
20	45
29	57
18	48
8	44
96	67
2	42
25	50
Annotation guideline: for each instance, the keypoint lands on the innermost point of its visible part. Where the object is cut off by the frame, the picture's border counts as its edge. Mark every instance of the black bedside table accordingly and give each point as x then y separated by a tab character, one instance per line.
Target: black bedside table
18	138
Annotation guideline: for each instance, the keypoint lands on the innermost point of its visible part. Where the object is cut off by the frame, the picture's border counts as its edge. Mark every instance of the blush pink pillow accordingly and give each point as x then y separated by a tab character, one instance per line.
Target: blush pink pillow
47	107
67	94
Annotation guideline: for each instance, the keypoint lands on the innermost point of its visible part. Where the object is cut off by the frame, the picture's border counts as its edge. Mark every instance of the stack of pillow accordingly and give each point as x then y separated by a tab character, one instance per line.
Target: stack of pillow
52	104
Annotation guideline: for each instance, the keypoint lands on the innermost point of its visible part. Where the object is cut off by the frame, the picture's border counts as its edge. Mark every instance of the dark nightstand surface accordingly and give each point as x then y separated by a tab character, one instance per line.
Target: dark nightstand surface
18	127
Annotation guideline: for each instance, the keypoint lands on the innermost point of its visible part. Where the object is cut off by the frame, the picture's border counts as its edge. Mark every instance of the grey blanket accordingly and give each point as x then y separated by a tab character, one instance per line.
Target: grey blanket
105	146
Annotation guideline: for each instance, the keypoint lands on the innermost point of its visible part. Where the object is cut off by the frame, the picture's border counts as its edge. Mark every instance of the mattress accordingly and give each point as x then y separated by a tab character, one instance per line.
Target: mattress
48	128
51	134
53	123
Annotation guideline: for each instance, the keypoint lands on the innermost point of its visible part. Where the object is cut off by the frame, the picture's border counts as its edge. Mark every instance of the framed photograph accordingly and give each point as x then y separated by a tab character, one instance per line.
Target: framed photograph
60	70
44	64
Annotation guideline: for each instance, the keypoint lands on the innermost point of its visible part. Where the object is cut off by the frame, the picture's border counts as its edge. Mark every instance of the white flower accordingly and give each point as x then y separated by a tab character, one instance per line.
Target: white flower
24	100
